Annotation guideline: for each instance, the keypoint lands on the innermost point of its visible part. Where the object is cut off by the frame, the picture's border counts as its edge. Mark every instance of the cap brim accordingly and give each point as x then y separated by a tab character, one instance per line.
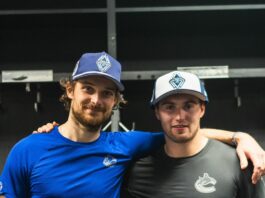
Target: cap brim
182	91
117	83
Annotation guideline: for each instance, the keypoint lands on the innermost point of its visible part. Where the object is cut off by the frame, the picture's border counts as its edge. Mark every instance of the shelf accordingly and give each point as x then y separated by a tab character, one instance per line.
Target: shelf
151	75
193	8
53	11
182	36
134	9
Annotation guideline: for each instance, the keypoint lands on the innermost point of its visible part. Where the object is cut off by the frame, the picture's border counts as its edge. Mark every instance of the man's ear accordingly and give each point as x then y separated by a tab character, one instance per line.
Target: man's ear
157	113
202	110
116	101
70	90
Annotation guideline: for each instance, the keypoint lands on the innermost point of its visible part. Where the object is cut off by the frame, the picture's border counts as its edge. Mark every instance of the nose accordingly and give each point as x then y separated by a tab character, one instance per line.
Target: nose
179	114
95	98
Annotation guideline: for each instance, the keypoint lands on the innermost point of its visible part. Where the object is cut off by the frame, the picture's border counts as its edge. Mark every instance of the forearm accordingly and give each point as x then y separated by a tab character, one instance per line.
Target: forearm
225	136
228	137
218	134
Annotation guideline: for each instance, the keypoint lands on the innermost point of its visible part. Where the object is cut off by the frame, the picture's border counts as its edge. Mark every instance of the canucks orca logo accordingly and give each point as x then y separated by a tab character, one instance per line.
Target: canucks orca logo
103	63
176	81
109	161
205	184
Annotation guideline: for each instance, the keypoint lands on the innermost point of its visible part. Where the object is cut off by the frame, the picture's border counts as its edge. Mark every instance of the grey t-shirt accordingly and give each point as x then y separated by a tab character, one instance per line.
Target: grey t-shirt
212	173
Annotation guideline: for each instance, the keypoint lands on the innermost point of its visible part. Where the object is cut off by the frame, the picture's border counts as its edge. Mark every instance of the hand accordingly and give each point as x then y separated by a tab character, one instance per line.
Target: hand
248	148
46	128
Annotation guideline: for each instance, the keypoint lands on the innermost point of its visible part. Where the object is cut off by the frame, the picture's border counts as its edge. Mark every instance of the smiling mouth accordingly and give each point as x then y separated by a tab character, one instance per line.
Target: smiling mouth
93	109
179	127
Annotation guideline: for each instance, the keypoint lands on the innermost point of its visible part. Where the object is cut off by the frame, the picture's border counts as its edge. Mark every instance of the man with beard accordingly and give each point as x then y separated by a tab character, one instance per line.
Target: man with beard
189	164
77	159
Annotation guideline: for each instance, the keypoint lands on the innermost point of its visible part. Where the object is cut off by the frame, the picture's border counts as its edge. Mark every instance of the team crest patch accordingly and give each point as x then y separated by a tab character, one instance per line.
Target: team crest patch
109	161
205	184
176	81
103	63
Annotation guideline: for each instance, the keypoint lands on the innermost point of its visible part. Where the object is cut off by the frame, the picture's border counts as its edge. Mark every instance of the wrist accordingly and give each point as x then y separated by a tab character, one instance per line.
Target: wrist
237	137
234	138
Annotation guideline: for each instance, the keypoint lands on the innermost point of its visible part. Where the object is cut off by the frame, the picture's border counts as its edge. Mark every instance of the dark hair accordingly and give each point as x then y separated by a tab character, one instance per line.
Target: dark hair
67	101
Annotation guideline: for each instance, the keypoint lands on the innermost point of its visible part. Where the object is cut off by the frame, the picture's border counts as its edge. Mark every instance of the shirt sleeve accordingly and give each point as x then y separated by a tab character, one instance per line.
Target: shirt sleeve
14	176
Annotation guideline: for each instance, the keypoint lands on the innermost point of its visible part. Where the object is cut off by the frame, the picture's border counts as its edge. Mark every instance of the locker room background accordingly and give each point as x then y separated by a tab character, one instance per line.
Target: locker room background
149	36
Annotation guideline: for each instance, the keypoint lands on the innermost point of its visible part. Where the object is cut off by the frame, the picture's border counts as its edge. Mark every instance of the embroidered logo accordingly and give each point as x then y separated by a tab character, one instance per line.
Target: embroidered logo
103	63
109	161
1	186
205	184
176	81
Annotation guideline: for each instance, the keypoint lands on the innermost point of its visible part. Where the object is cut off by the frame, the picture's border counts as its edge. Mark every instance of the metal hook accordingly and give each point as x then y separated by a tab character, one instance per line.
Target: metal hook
38	99
1	102
236	93
107	126
133	126
123	127
27	88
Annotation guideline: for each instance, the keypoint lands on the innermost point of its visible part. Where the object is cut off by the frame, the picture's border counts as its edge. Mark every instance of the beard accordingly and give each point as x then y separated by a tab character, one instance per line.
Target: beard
93	121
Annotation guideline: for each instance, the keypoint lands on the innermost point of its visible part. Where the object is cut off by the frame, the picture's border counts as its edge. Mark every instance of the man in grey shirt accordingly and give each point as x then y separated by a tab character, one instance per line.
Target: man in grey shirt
189	164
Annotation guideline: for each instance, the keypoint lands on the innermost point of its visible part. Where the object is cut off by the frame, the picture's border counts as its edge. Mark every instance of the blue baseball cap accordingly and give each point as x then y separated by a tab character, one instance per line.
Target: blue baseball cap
178	82
100	64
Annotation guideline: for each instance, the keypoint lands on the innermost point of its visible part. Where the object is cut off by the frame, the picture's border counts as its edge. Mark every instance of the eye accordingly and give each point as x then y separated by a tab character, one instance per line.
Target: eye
168	107
189	106
88	89
108	94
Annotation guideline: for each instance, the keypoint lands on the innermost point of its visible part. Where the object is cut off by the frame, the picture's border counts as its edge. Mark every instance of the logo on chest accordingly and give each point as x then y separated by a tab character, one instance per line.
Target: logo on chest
109	161
205	184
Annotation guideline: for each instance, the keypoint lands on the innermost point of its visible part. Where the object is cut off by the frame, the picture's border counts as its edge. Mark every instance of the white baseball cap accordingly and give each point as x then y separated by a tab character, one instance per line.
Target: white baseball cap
178	82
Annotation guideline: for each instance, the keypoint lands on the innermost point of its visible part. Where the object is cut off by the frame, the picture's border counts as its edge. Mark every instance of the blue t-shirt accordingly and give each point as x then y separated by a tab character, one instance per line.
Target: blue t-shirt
50	165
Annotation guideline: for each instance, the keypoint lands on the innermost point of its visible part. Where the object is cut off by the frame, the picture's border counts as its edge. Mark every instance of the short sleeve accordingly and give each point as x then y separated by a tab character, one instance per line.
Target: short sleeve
14	176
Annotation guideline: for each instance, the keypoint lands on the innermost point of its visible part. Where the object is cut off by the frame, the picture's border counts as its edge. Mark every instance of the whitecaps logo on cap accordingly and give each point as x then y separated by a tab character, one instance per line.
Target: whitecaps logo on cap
103	63
176	81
